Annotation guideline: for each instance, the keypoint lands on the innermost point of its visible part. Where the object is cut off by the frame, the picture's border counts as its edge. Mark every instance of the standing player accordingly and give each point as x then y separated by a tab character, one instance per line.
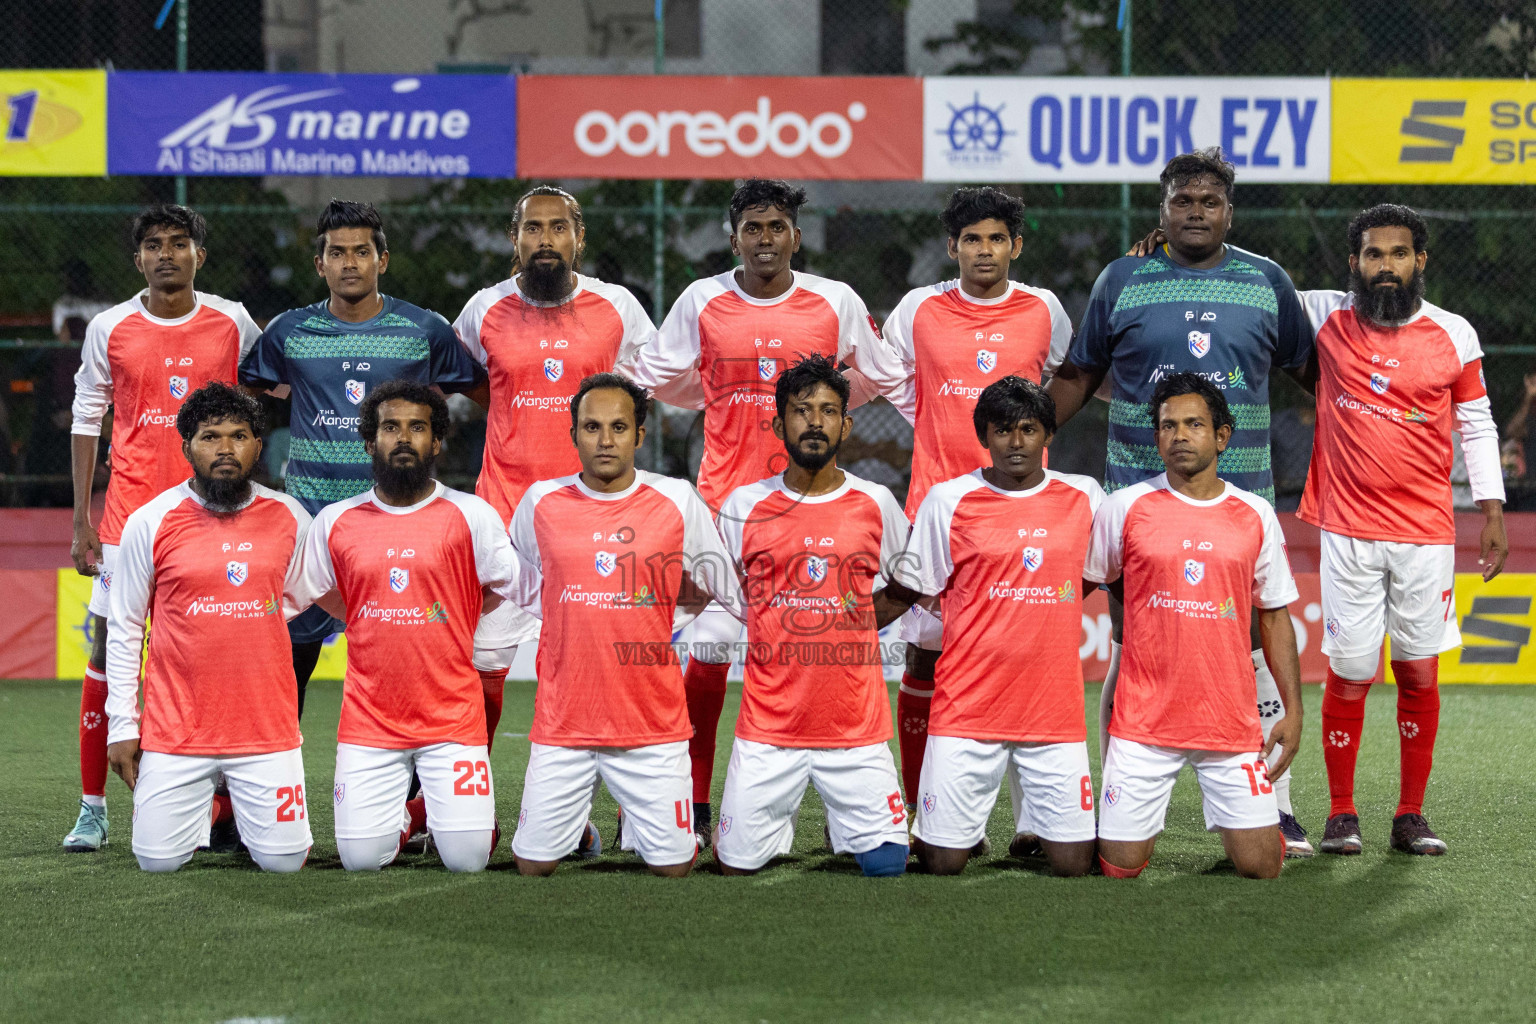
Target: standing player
954	339
602	555
1004	547
328	355
141	359
410	566
538	334
1190	554
811	544
1192	304
214	561
722	348
1397	375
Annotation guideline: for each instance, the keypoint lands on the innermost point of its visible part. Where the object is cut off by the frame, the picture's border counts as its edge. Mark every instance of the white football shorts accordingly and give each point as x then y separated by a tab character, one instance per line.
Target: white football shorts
653	786
1051	783
101	583
921	628
372	782
1138	782
1372	588
173	802
765	784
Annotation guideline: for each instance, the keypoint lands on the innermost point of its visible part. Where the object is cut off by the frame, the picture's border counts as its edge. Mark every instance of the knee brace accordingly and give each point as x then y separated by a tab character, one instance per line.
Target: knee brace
884	861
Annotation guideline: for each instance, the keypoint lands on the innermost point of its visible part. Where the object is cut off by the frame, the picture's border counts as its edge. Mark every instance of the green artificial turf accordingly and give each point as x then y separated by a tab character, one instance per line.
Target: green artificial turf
1383	936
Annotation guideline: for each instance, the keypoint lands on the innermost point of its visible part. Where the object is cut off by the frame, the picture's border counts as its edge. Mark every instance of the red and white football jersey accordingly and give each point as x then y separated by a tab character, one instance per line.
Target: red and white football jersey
143	368
536	355
952	346
219	589
722	351
814	677
1193	572
602	571
1387	400
413	581
1009	567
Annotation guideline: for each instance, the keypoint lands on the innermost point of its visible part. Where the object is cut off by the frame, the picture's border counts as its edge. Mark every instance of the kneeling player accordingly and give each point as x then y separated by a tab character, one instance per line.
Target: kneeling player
1190	554
409	566
602	555
1004	548
811	543
213	561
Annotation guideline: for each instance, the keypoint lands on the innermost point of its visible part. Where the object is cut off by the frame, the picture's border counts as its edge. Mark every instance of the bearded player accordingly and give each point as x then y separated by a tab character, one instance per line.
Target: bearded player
954	339
1190	302
603	553
813	545
1190	554
538	334
722	348
1395	376
1003	549
410	566
214	561
141	359
329	355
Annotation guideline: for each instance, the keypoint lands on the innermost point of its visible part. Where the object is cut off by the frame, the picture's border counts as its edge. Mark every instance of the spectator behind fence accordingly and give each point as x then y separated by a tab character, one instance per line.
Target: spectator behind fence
1516	451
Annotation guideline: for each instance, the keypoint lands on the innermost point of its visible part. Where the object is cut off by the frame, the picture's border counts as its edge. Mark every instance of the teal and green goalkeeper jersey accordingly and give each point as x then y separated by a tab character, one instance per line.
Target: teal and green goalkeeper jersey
1149	317
330	365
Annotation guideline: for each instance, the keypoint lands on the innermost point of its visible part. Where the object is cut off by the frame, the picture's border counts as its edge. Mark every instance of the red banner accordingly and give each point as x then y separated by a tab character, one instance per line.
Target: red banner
611	126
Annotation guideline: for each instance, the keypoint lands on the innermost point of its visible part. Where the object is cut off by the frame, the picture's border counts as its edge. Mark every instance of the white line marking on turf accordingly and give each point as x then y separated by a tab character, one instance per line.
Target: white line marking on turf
515	735
255	1020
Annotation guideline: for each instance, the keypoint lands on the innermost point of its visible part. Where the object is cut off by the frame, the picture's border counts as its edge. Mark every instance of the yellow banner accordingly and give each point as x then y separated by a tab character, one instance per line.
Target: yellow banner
1496	620
1471	131
55	123
73	629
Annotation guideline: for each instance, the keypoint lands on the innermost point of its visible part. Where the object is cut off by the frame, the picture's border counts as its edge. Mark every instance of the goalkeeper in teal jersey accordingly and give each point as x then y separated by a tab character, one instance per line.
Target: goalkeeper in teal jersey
330	355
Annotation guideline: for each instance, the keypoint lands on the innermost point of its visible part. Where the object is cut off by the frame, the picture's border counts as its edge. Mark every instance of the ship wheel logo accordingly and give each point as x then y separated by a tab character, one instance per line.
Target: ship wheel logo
975	127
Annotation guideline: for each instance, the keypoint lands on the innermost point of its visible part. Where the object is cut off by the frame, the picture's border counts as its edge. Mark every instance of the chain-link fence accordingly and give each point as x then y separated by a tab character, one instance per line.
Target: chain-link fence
64	242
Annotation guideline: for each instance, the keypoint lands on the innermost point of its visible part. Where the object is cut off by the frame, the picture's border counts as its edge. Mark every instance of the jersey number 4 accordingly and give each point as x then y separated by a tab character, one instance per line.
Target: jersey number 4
474	778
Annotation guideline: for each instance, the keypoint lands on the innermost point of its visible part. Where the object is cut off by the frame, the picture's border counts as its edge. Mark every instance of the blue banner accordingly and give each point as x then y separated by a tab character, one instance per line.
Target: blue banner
420	126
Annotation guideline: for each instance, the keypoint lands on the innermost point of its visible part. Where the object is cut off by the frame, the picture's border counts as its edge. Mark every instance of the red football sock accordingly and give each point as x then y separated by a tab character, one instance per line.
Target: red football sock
1418	719
93	733
416	808
913	700
704	685
493	683
1110	871
223	810
1343	721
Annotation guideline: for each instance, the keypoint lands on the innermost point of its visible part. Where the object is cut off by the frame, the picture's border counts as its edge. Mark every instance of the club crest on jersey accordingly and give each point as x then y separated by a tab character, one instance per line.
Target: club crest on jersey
929	803
1199	343
1194	571
554	369
340	792
816	568
1032	558
1379	384
399	579
178	387
355	390
725	825
1111	795
1332	626
986	361
606	562
237	572
767	367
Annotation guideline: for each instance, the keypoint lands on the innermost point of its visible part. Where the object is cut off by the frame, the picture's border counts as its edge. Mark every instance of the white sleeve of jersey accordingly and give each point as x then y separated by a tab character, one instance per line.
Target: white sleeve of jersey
877	368
639	332
317	573
898	337
1480	449
467	326
1321	303
705	557
526	586
236	311
93	381
895	532
1273	584
133	588
929	565
291	583
668	366
1106	545
1061	333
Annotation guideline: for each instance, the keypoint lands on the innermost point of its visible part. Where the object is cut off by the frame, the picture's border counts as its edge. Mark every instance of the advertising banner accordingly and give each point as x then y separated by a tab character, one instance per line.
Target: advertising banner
206	123
1434	130
613	126
55	123
1070	129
